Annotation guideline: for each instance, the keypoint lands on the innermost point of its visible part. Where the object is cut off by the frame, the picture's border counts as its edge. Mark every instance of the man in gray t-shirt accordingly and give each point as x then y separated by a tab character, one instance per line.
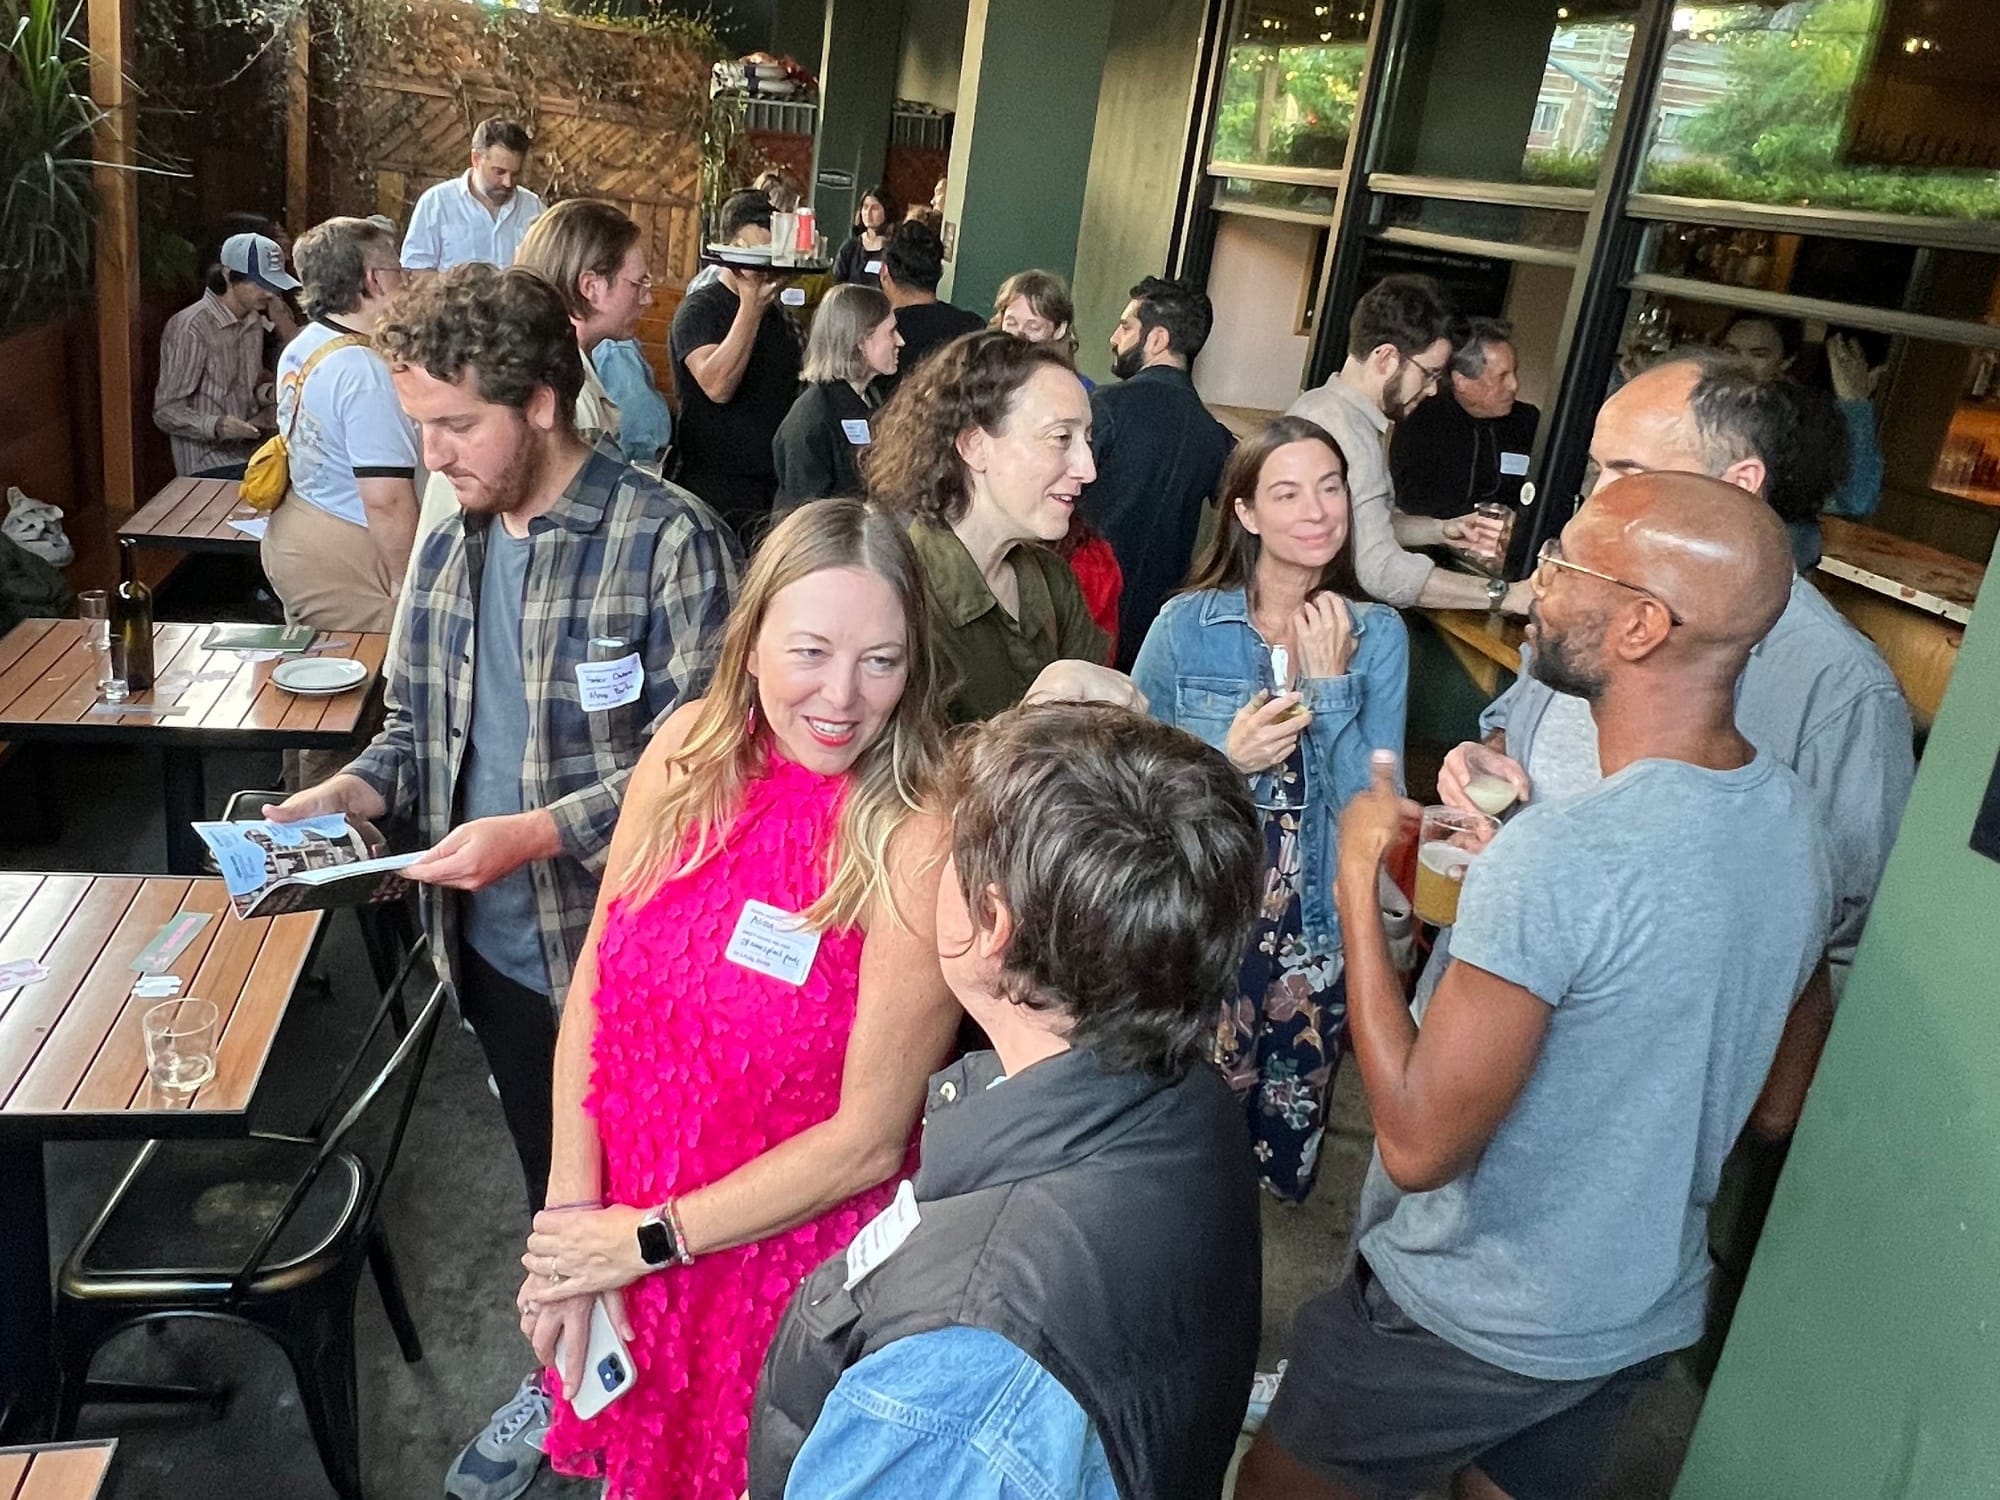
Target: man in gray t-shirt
1551	1129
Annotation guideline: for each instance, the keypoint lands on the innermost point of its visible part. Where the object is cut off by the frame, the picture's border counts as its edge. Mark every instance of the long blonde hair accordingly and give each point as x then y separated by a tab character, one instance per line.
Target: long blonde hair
728	745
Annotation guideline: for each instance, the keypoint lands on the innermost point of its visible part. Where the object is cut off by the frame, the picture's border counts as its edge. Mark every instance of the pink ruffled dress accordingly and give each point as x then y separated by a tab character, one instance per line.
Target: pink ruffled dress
700	1066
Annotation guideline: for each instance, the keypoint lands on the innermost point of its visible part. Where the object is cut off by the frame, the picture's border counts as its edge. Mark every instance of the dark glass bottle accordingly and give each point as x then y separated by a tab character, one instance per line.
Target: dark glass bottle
132	623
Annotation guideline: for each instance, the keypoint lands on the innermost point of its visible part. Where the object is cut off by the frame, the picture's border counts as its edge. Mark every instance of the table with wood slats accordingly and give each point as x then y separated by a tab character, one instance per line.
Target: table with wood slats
73	1062
48	691
60	1471
189	515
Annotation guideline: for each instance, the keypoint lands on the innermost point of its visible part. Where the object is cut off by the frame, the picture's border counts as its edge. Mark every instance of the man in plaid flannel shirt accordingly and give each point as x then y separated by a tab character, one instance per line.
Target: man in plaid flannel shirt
561	559
546	631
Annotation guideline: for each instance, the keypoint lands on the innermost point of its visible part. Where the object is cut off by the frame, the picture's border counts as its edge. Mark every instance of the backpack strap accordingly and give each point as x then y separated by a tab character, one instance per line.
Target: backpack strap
311	363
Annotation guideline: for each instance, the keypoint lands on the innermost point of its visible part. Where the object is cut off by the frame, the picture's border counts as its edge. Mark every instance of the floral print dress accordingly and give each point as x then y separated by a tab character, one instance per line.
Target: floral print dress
1280	1042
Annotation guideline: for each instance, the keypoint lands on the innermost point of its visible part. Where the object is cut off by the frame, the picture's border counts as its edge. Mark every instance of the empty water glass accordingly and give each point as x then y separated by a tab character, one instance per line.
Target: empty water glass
93	607
180	1044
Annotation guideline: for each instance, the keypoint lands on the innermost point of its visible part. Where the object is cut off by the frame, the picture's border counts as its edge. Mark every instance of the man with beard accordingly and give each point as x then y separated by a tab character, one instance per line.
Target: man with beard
548	629
1550	1129
1815	695
1159	453
481	215
1398	351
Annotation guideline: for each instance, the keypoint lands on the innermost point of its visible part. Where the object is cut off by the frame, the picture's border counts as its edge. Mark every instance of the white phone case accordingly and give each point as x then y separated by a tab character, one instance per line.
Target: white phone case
607	1366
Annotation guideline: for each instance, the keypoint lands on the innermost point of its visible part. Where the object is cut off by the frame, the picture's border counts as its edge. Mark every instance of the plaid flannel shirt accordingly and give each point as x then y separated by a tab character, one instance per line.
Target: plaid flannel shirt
621	555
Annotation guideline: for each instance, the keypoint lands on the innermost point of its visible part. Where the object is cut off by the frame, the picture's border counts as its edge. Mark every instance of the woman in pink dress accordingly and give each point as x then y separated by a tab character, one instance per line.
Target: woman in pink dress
734	1092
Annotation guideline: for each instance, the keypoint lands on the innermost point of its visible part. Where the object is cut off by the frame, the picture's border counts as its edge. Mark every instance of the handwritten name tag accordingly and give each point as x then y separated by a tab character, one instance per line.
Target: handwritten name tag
872	267
882	1236
793	296
856	429
609	684
1513	463
769	940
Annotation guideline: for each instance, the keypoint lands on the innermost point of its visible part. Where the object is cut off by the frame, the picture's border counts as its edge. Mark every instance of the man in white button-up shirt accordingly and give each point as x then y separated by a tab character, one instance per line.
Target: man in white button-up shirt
480	215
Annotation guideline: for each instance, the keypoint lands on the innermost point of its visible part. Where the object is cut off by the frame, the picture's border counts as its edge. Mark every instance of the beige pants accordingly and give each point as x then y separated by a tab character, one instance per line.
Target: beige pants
329	574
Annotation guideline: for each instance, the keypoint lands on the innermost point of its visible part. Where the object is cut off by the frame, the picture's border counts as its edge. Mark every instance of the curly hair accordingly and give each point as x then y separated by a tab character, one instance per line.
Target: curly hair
509	328
1127	854
913	465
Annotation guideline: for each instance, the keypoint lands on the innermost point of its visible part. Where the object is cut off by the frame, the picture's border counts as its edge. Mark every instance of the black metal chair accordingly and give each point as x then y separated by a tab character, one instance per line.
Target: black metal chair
271	1231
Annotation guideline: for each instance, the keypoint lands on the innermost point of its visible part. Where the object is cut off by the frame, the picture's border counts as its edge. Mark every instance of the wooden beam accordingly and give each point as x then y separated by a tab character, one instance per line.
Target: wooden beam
298	125
117	247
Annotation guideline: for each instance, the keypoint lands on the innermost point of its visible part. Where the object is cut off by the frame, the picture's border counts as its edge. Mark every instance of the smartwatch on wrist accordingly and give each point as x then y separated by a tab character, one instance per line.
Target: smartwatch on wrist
656	1240
1496	592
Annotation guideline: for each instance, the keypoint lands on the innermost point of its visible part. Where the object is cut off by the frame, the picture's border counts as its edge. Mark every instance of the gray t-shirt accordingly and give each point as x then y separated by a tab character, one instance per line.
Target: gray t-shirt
500	922
1563	758
1668	916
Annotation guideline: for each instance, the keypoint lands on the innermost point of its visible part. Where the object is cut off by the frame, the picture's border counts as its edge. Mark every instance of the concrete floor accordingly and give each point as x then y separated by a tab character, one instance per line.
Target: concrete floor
455	1211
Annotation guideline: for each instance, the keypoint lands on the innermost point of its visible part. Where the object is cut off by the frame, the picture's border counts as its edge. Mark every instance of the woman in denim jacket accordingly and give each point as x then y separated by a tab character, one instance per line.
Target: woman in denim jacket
1276	591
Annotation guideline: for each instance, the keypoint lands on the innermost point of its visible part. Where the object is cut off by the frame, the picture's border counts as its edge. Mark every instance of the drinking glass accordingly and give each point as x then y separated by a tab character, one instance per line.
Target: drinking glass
1273	792
1448	840
180	1044
93	607
1498	514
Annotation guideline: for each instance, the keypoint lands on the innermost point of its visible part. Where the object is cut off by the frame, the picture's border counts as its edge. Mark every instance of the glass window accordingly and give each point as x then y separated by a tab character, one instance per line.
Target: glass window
1505	223
1254	195
1493	93
1290	83
1754	104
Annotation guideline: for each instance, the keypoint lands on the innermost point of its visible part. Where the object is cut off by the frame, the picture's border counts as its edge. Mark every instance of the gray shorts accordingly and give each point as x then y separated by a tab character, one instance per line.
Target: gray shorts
1375	1402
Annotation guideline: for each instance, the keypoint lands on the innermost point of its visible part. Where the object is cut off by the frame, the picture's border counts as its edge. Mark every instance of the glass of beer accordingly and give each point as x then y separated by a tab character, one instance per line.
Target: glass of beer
1447	843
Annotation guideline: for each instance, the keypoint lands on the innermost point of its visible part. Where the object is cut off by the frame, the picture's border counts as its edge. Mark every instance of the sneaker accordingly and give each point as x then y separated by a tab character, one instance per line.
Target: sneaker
502	1461
1263	1391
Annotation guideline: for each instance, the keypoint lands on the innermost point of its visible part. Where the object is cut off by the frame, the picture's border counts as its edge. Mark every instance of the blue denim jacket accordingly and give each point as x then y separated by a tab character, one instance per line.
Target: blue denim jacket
1203	660
959	1412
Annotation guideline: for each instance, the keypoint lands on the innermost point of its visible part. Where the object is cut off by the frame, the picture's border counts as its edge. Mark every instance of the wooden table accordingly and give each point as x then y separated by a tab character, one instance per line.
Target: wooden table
189	515
58	1471
1482	646
48	689
73	1063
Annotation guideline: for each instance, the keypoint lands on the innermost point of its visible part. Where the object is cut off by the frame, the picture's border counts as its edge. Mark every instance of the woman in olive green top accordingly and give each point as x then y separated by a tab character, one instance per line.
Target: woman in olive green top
986	447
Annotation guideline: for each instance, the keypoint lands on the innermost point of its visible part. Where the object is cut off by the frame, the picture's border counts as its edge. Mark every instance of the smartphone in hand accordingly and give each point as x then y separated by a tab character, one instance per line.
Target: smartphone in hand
608	1372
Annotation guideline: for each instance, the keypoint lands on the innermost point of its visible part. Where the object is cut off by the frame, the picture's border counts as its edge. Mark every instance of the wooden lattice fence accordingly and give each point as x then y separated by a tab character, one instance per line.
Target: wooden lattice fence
616	113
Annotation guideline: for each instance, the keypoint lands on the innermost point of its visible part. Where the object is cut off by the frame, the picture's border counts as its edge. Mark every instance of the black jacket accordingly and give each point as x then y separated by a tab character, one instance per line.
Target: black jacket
1159	454
815	456
1105	1224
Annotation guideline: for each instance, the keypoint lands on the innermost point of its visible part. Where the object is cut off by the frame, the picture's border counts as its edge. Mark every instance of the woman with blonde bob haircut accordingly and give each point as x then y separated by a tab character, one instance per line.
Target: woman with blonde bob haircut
758	1007
853	342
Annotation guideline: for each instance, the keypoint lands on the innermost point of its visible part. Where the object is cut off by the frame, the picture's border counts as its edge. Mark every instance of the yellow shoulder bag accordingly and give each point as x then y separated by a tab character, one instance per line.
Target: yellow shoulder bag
268	476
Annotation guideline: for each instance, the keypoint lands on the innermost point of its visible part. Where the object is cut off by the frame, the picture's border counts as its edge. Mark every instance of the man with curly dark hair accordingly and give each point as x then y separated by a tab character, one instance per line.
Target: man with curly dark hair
549	627
1019	1322
986	448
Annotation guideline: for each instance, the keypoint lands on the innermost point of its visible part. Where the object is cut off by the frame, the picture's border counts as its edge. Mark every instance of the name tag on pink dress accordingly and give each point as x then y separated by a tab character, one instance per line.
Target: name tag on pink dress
771	941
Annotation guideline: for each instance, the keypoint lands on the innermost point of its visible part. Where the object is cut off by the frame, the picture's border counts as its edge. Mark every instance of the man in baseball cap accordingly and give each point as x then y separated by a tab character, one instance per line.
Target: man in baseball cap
214	394
260	259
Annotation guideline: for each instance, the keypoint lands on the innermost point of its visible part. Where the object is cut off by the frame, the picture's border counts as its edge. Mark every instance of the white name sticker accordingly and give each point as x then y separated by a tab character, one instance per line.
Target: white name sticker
609	684
1513	463
856	429
883	1235
872	267
769	940
793	296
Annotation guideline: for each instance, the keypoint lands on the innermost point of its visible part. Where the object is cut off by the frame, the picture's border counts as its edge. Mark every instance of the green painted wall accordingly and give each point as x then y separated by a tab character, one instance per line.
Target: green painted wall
1021	145
857	79
1135	163
1865	1356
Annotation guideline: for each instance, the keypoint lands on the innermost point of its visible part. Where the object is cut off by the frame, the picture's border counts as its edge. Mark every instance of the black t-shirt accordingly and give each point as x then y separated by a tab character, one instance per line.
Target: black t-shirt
733	438
853	261
926	325
1444	460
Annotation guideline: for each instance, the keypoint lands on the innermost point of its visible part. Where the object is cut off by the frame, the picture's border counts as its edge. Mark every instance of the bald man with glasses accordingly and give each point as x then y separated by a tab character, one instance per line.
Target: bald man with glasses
1398	353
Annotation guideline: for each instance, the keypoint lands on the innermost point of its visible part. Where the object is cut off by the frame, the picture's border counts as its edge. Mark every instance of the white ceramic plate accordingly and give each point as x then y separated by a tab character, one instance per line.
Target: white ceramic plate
319	676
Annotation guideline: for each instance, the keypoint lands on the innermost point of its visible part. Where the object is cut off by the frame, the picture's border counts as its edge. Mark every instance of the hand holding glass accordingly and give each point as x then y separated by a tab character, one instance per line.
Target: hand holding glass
1448	840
